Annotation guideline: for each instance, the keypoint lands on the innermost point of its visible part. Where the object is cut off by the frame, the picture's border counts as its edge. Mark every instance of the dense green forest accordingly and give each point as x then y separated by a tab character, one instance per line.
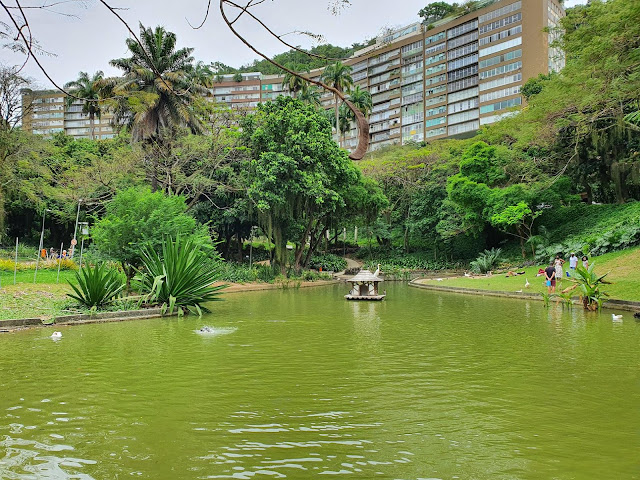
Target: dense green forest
561	175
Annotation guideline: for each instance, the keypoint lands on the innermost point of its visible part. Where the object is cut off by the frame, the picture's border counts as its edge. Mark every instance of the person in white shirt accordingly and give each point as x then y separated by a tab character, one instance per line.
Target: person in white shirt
573	261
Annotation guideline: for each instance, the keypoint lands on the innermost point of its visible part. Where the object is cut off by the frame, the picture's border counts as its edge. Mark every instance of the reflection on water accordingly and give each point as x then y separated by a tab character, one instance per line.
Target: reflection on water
301	383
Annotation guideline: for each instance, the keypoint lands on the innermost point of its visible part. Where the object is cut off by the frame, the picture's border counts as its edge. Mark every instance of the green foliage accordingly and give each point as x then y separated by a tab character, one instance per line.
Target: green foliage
535	85
591	229
137	217
482	163
181	276
65	264
328	262
300	180
96	286
436	11
87	88
395	260
304	61
486	261
142	98
589	285
241	273
546	299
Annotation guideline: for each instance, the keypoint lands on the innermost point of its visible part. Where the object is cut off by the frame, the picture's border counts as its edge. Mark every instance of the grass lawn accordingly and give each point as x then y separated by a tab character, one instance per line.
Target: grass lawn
624	268
32	300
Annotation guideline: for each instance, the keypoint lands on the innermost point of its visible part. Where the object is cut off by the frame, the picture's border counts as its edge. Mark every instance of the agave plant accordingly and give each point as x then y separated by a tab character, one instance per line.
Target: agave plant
96	285
182	276
588	284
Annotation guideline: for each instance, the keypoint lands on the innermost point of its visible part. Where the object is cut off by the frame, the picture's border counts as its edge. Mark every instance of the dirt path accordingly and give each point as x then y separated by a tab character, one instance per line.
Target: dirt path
351	263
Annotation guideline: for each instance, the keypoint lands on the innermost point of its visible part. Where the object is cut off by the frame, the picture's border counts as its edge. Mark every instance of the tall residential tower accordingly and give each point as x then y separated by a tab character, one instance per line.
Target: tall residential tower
431	81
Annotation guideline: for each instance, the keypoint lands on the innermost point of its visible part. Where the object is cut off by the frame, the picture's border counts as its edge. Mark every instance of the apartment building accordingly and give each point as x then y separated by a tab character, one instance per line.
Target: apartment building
441	80
446	79
48	113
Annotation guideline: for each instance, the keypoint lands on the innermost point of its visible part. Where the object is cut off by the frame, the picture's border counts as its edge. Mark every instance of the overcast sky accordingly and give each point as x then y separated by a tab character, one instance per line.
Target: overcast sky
91	37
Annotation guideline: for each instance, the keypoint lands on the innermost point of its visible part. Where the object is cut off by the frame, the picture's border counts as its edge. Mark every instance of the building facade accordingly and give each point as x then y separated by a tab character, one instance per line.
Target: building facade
427	82
441	80
48	114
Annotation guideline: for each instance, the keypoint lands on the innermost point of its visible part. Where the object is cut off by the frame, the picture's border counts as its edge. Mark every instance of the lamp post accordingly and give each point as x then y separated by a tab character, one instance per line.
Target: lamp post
84	230
74	242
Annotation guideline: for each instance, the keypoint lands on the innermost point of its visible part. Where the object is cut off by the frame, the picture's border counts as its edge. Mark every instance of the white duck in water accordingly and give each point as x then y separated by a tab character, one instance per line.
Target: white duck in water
616	318
56	335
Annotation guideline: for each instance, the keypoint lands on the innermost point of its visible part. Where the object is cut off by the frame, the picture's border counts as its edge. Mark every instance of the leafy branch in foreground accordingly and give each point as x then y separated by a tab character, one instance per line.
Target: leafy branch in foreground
182	276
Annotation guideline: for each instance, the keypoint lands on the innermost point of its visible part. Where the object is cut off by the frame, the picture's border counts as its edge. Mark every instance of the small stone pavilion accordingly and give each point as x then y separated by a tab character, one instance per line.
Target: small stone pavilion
365	286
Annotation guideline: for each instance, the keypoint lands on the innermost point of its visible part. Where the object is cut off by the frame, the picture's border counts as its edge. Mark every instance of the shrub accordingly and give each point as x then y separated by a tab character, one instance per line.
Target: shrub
392	260
181	277
486	261
96	286
65	264
328	261
588	284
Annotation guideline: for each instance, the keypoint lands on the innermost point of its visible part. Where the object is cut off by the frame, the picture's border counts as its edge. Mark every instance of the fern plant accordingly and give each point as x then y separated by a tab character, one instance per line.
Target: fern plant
486	261
182	276
96	286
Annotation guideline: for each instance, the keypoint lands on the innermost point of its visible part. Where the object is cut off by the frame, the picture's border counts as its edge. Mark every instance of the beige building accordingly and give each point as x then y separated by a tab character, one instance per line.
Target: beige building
435	81
48	113
426	81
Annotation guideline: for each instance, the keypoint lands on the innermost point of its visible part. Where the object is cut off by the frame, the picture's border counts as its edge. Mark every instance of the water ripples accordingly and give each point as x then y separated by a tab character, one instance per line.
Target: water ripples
299	384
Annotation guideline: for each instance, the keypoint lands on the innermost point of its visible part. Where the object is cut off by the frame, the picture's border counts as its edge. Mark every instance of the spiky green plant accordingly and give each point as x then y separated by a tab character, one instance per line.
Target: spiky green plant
588	284
96	285
182	276
486	261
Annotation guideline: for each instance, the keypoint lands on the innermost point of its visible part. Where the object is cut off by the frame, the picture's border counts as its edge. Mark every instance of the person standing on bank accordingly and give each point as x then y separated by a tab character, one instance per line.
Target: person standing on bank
550	277
558	263
573	261
585	262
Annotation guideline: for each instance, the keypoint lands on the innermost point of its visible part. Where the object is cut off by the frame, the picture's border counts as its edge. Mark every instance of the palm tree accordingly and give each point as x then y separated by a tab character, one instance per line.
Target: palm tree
361	98
87	88
338	76
156	90
310	94
201	74
344	121
294	83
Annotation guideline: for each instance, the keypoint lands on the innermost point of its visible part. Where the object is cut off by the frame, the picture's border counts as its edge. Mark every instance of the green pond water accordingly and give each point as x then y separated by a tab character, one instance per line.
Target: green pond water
301	384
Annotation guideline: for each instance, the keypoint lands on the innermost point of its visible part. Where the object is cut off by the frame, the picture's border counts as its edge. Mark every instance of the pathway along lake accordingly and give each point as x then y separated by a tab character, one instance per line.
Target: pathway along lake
301	384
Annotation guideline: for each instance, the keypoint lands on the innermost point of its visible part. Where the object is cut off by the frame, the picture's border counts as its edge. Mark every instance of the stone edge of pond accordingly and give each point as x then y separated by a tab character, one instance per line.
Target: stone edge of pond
82	319
123	315
611	303
256	287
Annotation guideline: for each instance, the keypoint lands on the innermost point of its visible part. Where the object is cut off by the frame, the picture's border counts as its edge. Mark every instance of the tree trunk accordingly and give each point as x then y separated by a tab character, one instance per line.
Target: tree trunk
2	216
279	250
92	124
337	120
128	271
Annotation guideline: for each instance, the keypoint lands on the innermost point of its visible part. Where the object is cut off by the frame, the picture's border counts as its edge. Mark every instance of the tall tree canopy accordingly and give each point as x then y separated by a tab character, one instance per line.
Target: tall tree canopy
88	89
157	88
299	179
